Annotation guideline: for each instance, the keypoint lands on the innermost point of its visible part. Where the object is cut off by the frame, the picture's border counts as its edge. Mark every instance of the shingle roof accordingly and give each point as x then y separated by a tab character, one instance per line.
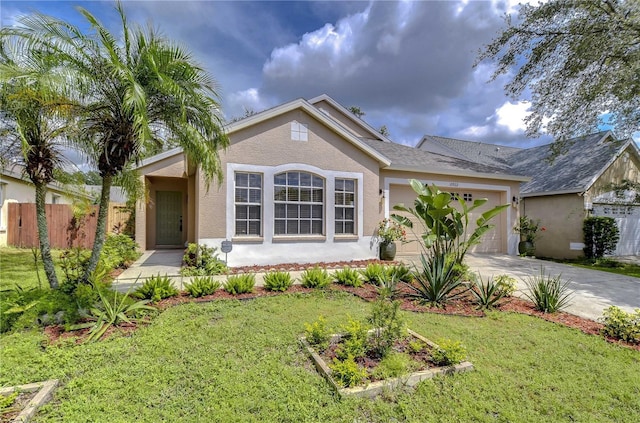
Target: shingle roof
479	152
574	171
426	161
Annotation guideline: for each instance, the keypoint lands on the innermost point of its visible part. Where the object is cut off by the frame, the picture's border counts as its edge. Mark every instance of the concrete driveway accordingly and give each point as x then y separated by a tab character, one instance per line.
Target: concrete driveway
593	290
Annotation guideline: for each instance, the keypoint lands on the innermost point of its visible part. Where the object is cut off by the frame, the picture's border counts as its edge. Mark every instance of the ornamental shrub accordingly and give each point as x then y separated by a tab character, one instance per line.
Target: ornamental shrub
240	284
315	278
373	273
622	325
347	372
277	281
348	277
156	288
601	235
448	353
317	333
201	260
201	286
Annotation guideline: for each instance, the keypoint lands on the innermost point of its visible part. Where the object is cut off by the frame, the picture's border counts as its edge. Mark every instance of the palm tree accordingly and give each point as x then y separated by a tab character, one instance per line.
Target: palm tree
33	122
141	92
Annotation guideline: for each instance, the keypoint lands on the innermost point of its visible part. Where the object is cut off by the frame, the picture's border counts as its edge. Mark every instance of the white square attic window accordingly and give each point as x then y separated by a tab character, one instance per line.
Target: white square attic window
299	131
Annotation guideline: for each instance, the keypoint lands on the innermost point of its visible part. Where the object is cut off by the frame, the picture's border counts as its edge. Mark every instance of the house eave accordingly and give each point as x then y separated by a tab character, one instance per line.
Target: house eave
449	172
546	193
159	157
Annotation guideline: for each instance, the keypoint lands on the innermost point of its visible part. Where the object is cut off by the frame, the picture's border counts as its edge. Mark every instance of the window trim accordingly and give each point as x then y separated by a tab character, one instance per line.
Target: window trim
311	203
345	207
248	204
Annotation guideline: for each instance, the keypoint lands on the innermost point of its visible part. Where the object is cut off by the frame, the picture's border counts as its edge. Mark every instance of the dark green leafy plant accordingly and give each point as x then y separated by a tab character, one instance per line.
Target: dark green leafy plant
347	372
317	334
201	286
315	278
622	325
119	251
348	277
373	273
156	288
113	312
448	353
486	293
240	284
506	284
437	282
548	294
388	326
277	281
601	235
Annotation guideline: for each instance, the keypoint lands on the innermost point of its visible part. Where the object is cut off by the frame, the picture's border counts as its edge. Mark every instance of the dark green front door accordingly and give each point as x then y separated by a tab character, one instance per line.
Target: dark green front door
168	218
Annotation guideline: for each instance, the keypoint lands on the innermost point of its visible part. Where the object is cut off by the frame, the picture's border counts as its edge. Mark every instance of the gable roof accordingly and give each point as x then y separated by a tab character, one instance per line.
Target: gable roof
346	113
408	158
54	186
574	171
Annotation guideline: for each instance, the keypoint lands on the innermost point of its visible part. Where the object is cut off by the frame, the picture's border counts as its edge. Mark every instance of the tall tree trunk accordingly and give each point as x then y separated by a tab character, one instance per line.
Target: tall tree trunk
101	227
43	236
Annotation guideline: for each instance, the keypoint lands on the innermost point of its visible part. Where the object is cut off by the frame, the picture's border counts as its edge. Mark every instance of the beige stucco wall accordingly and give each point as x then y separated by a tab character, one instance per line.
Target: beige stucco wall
504	192
14	190
626	166
269	144
561	216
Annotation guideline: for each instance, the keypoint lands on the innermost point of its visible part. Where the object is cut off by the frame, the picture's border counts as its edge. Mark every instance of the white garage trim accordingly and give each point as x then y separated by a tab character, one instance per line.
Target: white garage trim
512	237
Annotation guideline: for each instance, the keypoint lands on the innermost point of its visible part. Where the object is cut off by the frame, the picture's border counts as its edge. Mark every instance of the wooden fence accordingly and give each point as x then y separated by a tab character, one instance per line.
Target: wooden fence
65	231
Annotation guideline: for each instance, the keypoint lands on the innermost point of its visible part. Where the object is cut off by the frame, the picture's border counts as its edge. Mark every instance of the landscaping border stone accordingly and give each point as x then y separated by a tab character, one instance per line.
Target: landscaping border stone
45	393
376	388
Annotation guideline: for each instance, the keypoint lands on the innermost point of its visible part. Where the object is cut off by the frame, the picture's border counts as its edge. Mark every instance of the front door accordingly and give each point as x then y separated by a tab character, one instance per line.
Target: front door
168	218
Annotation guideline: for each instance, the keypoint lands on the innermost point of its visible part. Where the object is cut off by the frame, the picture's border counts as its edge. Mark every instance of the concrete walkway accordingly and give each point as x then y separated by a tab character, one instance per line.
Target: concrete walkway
593	290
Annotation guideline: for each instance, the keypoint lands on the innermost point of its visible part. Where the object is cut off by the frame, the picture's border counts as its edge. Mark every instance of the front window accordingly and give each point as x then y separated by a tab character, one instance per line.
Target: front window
345	195
248	198
299	204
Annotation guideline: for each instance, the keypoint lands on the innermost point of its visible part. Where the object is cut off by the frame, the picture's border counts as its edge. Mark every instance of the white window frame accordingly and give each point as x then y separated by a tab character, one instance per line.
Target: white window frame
299	131
2	194
289	188
248	204
344	206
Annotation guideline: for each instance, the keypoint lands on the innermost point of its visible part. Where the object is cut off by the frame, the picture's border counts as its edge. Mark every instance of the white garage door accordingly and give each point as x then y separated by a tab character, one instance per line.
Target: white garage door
492	240
627	218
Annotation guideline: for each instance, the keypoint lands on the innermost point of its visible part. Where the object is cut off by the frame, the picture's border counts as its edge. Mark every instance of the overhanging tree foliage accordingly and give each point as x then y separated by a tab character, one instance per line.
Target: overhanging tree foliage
139	92
581	61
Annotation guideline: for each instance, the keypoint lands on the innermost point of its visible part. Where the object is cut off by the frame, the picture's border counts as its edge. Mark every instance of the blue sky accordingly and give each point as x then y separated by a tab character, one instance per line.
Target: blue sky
407	65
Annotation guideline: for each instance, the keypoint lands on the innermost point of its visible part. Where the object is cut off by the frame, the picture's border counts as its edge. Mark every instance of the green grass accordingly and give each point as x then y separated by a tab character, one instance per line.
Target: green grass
17	268
613	266
238	361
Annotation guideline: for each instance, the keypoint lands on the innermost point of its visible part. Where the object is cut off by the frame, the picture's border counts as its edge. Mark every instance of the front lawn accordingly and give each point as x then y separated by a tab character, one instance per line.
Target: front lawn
240	361
611	266
17	268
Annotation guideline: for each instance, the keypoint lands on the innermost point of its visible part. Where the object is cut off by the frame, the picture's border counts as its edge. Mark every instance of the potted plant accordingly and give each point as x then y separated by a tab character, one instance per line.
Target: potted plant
388	233
529	231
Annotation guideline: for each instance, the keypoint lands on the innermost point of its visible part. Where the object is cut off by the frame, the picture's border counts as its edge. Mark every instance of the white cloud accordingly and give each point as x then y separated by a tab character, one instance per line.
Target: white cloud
512	115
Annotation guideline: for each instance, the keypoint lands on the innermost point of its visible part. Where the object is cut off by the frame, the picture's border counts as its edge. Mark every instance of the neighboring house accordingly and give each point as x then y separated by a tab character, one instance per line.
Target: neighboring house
562	192
308	181
14	188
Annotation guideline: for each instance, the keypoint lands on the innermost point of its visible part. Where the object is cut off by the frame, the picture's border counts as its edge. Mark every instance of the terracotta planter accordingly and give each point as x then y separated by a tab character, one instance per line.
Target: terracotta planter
526	248
387	251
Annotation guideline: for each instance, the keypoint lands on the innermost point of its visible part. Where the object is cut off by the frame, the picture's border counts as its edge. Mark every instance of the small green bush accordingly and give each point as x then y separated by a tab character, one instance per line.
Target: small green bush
448	353
315	278
347	372
118	251
201	260
201	286
507	284
156	288
486	293
394	365
388	326
348	277
622	325
601	235
400	272
548	294
354	341
374	273
277	281
240	284
389	286
317	333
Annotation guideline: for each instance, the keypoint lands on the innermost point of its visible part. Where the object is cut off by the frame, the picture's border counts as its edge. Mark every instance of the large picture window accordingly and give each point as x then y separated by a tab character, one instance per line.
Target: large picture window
248	201
345	196
298	204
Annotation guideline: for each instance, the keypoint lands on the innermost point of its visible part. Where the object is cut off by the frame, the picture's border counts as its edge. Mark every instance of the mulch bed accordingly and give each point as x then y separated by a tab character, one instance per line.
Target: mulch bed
460	307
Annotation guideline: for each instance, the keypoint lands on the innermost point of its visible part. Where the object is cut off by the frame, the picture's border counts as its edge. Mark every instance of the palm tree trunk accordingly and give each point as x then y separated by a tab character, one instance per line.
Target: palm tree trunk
101	227
43	236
